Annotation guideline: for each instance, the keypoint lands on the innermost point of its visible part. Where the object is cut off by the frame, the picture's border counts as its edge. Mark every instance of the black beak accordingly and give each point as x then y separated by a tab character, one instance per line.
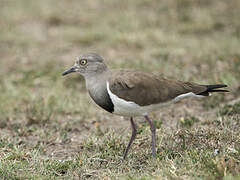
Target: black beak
72	69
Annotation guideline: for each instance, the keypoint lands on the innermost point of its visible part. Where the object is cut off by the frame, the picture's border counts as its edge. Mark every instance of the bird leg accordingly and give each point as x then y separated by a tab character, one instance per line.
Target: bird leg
153	130
132	138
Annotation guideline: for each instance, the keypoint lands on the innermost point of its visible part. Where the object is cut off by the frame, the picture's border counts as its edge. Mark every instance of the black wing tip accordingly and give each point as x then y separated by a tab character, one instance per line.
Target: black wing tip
213	88
220	90
216	86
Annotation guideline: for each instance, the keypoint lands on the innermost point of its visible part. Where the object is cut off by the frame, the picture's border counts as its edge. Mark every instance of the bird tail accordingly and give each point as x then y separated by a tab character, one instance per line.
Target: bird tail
213	88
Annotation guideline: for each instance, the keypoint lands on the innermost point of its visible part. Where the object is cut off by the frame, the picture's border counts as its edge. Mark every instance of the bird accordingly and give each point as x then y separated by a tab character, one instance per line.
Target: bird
131	93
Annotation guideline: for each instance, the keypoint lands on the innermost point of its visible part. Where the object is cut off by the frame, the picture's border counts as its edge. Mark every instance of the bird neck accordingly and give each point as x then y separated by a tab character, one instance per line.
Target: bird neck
95	71
97	88
97	79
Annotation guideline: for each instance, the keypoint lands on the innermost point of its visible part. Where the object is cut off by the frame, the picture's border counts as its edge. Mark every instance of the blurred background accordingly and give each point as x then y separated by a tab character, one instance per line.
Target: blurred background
41	111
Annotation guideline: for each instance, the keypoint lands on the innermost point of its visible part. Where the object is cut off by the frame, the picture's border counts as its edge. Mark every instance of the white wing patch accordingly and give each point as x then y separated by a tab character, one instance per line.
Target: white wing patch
190	94
123	107
130	108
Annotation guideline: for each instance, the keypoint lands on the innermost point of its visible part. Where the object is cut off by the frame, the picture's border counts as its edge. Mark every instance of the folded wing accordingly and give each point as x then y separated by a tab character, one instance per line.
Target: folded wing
145	89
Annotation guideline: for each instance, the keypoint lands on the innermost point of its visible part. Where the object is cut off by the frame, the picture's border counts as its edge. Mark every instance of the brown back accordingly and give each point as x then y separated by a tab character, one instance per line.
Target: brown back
145	88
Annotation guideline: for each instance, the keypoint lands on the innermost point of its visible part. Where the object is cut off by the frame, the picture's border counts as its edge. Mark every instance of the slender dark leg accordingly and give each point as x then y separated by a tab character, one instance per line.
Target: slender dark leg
132	138
153	130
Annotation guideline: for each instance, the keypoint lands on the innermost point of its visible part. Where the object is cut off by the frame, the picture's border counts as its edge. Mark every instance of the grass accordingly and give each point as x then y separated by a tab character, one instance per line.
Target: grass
49	127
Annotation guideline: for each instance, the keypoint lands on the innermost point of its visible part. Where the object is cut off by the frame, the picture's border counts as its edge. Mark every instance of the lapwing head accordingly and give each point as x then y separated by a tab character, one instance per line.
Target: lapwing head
87	64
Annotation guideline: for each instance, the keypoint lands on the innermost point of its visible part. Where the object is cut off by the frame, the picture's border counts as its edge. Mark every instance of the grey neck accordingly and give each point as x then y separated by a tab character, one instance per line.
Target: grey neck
95	71
96	80
97	88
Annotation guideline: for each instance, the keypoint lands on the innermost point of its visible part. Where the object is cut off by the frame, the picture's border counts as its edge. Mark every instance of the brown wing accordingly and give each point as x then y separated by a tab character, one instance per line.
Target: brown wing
145	88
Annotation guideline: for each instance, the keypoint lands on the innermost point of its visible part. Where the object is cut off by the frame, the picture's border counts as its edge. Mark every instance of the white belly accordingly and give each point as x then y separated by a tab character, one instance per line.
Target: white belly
129	108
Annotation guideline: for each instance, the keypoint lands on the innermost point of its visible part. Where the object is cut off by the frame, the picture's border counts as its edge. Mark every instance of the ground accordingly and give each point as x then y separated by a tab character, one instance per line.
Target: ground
51	129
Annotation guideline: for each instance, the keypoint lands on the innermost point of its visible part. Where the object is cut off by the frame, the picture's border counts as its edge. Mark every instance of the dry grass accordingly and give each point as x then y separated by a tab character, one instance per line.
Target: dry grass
49	127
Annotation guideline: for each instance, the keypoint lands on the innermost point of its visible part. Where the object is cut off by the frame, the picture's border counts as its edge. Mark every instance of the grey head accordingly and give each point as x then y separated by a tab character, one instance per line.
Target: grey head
89	64
92	67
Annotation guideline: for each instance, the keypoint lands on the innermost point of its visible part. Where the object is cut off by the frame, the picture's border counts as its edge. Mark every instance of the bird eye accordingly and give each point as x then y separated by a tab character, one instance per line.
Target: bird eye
83	62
